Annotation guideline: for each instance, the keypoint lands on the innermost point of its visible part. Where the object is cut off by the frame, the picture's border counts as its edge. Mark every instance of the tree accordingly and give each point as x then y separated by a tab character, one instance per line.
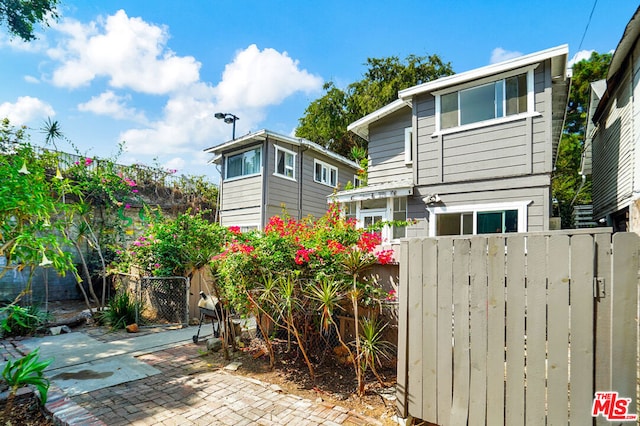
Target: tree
326	119
20	16
567	185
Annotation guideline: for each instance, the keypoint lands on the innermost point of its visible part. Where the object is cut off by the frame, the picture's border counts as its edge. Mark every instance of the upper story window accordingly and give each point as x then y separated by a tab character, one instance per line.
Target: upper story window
408	146
325	173
497	99
244	163
285	163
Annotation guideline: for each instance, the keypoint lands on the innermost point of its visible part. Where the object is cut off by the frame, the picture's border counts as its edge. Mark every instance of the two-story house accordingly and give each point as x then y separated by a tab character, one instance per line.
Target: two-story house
265	173
613	136
470	153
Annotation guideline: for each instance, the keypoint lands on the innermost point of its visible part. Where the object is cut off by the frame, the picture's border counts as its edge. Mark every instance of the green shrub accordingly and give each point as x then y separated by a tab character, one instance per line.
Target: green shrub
28	370
121	312
21	321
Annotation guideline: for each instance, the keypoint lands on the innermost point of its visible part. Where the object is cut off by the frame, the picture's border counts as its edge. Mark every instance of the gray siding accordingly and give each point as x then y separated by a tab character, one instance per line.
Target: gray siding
512	148
245	216
314	194
613	152
386	148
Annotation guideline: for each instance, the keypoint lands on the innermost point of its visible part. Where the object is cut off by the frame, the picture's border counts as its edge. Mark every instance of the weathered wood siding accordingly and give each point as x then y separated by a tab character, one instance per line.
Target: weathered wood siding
512	148
464	358
386	148
613	152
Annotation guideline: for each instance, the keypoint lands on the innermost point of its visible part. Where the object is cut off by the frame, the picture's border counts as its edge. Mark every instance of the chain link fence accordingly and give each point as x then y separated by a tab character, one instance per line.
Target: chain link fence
163	301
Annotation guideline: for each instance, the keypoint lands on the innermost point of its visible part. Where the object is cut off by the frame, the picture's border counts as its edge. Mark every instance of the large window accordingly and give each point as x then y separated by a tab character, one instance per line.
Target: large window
285	163
497	99
484	219
243	164
325	173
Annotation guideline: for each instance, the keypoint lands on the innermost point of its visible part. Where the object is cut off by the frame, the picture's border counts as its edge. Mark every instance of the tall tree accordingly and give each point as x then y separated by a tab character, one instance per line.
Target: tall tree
326	119
567	186
20	16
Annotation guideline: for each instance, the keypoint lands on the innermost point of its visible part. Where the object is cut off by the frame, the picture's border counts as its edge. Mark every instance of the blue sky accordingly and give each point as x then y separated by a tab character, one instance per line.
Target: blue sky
152	73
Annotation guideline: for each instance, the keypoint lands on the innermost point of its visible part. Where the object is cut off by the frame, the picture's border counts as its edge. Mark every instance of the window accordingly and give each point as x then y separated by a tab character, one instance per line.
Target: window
483	219
285	163
497	99
243	164
408	154
399	214
350	210
325	174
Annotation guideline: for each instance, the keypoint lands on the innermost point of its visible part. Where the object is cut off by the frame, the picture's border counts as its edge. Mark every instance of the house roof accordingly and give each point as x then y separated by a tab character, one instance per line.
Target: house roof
598	89
361	127
397	188
261	135
623	50
557	55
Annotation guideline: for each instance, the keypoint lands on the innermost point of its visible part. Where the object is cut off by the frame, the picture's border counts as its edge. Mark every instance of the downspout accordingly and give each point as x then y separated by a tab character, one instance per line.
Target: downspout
216	217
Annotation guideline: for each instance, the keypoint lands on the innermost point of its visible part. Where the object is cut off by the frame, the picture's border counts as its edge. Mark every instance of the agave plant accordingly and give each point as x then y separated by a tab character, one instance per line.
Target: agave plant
28	370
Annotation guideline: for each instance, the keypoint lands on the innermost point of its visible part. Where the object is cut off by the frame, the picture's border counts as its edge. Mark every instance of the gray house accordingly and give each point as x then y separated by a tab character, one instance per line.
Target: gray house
264	172
470	153
613	136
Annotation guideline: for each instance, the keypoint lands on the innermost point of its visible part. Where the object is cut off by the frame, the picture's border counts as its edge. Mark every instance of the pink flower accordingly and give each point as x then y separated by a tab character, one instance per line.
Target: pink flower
127	206
157	265
391	296
135	191
88	161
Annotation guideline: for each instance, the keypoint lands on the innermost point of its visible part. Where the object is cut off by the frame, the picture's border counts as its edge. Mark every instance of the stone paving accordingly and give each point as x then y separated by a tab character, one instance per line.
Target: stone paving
189	392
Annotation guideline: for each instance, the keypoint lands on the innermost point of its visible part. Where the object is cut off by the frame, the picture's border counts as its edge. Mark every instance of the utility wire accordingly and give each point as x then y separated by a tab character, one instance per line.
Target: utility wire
588	22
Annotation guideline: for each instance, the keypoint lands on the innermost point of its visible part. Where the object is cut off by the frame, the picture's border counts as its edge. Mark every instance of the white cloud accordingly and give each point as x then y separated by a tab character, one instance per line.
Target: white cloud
25	109
112	105
31	79
499	55
177	164
258	78
579	56
130	52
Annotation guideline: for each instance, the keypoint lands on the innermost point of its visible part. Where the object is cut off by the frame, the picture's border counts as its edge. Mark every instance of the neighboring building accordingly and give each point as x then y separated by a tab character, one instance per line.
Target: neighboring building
470	153
264	173
613	135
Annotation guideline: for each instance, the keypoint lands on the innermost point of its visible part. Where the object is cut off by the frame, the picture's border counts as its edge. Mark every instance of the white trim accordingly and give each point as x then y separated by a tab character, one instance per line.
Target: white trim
408	136
361	126
521	206
329	169
287	151
486	123
238	152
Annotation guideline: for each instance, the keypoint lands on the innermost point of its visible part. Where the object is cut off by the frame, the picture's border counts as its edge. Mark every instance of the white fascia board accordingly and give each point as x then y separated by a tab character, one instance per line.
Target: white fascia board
482	72
361	126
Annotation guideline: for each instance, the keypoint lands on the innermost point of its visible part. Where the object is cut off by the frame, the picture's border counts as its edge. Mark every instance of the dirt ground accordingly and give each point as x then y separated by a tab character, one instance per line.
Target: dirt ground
334	384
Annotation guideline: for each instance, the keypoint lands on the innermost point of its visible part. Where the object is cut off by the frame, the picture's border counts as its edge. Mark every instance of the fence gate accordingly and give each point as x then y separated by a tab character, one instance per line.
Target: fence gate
517	329
163	300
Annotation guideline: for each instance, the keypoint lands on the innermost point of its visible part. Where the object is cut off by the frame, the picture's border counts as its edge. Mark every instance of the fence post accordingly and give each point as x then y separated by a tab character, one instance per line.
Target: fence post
403	330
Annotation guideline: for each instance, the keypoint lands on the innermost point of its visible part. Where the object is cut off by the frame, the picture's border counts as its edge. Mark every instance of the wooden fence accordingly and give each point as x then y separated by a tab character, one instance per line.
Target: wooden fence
518	329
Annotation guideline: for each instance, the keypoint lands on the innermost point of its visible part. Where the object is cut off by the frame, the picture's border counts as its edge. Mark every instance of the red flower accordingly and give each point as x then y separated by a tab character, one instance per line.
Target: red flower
302	255
234	230
368	241
385	256
335	247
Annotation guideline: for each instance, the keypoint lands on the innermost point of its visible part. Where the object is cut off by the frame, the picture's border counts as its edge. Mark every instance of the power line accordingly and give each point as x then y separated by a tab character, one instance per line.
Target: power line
588	22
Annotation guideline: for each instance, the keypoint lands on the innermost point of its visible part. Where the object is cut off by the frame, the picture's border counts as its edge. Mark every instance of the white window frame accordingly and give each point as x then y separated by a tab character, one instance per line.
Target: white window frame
329	168
356	181
242	152
529	71
293	168
386	212
520	206
408	146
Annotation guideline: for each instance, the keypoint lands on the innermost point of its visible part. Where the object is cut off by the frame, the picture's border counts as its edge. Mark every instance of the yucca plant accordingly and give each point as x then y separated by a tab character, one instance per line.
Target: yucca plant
123	310
372	346
28	370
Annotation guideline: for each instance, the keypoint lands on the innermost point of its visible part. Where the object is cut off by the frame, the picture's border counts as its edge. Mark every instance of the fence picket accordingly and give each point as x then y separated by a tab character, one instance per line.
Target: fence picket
414	294
558	330
444	342
402	392
515	330
460	409
429	328
581	299
603	366
495	330
478	338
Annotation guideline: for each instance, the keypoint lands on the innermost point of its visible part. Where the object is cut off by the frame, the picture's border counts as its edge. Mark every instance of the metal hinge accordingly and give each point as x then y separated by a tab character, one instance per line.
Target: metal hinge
598	287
